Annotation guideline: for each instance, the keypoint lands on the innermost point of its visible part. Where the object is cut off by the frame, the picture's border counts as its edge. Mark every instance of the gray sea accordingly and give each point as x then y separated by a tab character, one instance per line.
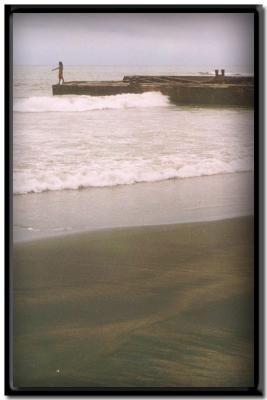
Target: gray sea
69	143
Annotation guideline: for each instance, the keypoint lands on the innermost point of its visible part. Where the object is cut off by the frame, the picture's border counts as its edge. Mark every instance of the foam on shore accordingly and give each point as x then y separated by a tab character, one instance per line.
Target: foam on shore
168	202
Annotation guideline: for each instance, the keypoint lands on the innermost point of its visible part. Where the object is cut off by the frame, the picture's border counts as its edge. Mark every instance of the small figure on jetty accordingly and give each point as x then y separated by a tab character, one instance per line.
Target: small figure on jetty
60	72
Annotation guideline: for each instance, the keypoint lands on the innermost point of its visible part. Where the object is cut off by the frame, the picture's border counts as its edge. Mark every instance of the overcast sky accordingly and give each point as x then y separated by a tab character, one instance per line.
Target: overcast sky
133	39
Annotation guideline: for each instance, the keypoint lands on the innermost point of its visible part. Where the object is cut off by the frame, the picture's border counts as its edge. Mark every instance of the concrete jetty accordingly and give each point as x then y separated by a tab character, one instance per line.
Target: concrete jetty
196	90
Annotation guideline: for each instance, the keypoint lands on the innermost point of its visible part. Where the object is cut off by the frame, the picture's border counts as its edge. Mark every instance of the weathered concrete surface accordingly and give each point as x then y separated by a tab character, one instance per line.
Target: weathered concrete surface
217	90
232	95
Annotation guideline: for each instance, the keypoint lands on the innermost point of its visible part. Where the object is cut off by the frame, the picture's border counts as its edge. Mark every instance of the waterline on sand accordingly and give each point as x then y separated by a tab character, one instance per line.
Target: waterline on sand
168	202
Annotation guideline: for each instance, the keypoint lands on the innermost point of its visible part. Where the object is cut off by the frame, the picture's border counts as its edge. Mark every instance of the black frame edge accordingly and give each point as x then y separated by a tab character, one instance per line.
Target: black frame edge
7	253
258	389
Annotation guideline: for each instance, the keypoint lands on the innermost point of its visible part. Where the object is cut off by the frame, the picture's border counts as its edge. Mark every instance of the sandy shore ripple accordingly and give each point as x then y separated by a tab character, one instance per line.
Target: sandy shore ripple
162	306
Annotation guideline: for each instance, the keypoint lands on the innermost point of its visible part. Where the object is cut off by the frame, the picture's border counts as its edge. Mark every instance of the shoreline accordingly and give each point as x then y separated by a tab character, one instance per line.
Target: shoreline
136	307
121	229
173	201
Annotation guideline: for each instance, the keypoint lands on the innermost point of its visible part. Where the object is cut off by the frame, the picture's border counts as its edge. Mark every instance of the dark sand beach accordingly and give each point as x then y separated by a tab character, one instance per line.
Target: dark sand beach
158	306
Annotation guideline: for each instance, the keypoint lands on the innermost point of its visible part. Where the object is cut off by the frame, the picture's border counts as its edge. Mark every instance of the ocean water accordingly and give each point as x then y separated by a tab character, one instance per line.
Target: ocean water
82	162
74	142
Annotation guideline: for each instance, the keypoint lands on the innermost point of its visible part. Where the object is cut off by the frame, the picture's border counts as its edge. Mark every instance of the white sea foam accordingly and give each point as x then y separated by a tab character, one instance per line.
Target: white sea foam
58	145
89	103
120	174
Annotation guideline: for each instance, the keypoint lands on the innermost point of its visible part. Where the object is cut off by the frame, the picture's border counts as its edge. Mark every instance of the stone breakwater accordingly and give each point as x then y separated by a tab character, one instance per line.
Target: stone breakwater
181	90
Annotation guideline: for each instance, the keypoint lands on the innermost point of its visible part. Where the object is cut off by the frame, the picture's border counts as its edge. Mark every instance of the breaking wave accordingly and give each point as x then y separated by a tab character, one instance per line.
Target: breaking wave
92	176
88	103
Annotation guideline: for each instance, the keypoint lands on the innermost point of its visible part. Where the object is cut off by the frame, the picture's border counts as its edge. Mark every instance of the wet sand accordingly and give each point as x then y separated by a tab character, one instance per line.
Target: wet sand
158	306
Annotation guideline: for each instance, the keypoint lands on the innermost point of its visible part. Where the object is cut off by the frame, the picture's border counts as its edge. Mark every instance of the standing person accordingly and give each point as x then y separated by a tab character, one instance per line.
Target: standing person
60	72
